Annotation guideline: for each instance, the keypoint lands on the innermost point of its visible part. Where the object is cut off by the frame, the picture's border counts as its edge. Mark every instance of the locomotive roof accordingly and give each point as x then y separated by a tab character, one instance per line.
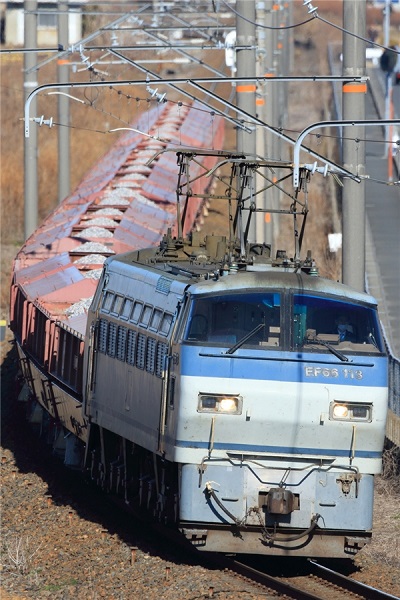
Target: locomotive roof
201	281
278	278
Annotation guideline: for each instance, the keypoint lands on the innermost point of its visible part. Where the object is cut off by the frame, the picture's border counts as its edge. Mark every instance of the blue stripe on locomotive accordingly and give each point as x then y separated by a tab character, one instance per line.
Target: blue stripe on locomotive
360	370
232	447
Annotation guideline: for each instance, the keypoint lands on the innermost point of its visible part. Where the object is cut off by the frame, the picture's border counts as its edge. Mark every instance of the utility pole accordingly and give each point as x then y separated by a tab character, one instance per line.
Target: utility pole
287	43
353	107
260	133
269	113
63	106
386	23
246	93
276	108
30	144
388	87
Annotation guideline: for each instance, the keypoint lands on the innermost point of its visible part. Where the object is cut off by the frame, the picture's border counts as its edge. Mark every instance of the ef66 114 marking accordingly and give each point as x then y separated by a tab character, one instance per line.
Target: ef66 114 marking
334	373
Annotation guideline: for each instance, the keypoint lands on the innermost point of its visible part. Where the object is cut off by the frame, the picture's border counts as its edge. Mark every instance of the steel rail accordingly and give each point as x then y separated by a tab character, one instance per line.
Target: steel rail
356	587
343	582
269	581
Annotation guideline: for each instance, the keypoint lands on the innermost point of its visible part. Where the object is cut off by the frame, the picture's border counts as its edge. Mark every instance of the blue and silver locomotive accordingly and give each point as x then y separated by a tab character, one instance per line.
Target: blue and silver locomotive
236	395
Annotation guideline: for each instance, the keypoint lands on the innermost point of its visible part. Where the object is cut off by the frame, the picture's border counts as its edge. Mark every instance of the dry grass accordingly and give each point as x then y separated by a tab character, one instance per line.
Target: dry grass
385	545
390	479
386	539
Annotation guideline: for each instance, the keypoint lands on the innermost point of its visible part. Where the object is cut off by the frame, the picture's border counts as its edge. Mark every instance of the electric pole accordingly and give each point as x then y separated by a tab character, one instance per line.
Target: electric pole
353	107
269	114
246	93
30	144
63	106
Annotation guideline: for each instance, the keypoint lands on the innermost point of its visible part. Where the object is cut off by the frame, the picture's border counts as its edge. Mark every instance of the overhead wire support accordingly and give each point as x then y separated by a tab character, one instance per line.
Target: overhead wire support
116	26
123	83
44	50
200	28
167	45
31	186
155	94
184	53
182	21
298	145
42	121
278	132
195	83
65	53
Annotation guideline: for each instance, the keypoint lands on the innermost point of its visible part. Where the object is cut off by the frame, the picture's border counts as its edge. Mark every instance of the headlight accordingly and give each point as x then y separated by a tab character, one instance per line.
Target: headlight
340	411
220	403
350	411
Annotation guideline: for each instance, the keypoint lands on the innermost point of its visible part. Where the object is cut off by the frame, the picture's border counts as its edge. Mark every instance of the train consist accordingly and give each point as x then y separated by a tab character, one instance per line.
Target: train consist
224	389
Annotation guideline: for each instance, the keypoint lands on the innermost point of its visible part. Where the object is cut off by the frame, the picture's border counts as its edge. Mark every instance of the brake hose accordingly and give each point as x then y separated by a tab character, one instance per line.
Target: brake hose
211	493
293	538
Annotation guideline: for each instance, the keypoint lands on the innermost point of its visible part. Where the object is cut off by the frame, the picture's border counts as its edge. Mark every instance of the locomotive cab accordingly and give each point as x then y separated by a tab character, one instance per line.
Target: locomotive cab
280	417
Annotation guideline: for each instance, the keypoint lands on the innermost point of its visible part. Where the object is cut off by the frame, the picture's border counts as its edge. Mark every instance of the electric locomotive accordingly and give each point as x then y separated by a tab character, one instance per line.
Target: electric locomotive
236	394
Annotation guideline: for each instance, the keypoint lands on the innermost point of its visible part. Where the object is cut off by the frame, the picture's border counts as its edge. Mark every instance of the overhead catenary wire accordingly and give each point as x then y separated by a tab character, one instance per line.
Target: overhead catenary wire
367	178
359	37
111	27
212	113
262	26
314	16
196	85
91	66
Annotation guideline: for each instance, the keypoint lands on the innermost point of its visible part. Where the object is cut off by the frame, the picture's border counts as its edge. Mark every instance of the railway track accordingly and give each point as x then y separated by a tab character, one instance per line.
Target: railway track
321	584
314	581
355	587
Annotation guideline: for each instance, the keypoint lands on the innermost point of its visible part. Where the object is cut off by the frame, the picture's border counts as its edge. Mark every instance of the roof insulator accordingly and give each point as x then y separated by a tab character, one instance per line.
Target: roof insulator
310	7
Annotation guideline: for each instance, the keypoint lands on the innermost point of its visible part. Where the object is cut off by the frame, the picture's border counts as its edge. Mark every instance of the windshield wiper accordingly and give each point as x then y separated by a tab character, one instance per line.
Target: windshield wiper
244	339
373	340
313	339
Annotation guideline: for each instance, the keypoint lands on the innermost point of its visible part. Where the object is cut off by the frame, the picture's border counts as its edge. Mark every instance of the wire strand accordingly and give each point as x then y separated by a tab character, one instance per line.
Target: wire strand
360	37
265	26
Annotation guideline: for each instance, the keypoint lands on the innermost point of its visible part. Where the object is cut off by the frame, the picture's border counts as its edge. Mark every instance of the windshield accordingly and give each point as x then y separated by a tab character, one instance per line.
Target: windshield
338	323
225	319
